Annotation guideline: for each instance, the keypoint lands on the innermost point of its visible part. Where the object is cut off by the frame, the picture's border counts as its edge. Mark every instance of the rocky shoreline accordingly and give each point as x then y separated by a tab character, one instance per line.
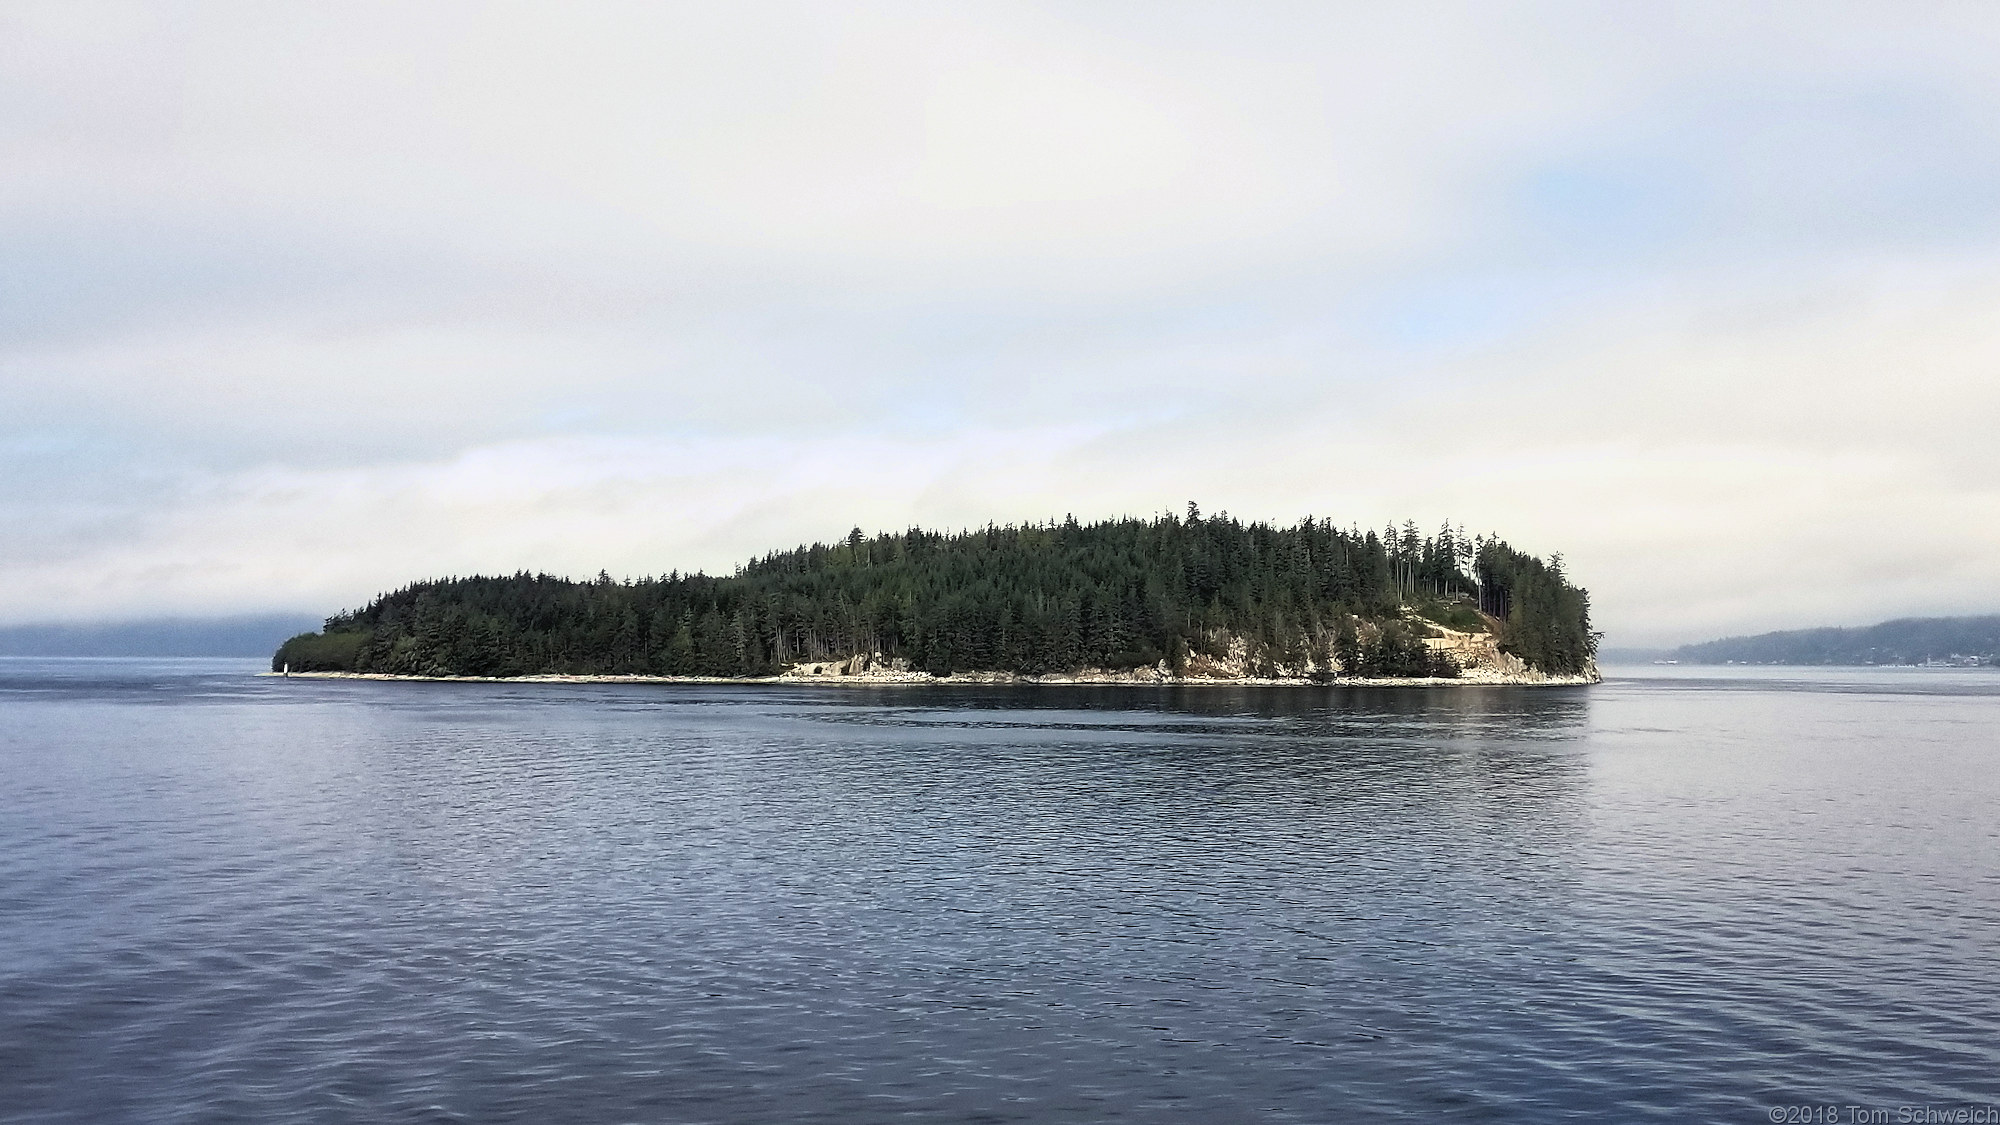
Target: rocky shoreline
1141	677
1477	656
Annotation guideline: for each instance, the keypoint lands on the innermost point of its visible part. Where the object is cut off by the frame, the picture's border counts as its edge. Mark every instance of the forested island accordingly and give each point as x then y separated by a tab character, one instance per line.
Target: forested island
1961	641
1172	598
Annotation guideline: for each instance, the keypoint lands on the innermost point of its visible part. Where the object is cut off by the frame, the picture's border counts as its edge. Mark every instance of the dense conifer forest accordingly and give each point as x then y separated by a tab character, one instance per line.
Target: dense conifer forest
1035	599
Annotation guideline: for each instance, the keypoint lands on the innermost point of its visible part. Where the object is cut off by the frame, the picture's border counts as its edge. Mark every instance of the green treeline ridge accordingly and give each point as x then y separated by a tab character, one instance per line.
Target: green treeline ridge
1906	640
1036	599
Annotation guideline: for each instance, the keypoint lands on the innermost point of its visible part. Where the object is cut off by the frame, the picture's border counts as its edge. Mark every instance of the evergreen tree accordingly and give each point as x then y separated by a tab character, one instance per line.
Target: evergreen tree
1037	599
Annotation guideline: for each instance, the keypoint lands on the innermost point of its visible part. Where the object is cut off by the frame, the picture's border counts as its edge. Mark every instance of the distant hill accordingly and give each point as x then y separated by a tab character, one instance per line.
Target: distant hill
1908	640
184	636
1041	599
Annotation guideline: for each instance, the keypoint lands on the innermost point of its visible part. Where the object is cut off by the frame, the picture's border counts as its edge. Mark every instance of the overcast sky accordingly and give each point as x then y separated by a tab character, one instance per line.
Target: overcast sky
300	302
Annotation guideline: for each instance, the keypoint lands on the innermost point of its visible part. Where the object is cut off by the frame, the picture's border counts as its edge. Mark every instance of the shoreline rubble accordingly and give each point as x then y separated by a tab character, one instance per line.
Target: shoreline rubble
1478	657
1473	678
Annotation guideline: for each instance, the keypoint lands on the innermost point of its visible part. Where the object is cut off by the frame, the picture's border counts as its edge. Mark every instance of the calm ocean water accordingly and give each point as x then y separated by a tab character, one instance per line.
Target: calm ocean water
1690	897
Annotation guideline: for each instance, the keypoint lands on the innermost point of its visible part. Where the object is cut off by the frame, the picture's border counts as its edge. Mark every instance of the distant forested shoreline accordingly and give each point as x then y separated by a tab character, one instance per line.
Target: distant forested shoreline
1908	640
1036	599
238	636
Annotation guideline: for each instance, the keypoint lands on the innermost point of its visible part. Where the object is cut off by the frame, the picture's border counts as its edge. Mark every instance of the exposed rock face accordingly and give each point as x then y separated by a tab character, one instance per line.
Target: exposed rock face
1480	660
872	665
1477	655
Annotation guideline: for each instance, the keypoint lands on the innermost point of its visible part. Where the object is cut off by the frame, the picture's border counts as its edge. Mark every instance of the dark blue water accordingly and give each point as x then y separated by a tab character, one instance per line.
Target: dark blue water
225	898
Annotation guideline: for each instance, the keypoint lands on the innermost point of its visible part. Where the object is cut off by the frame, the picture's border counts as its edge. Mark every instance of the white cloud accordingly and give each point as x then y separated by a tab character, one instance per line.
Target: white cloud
300	302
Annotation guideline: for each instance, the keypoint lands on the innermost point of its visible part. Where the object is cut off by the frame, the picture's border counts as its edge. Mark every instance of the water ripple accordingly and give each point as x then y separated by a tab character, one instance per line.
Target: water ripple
230	898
